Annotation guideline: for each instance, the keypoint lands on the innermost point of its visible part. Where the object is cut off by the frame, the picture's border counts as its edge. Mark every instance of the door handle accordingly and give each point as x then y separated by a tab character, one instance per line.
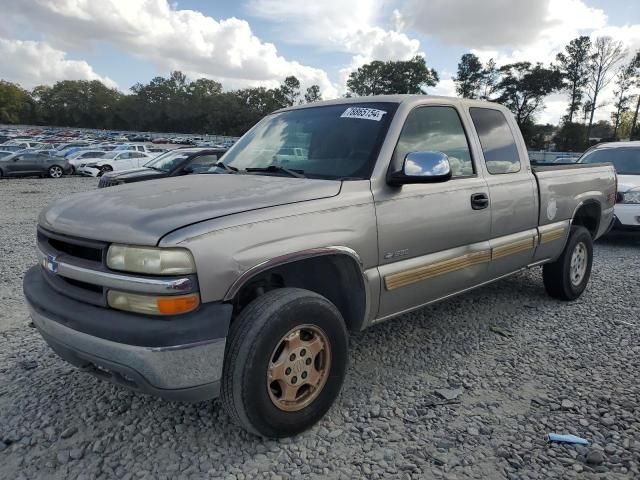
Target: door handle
479	201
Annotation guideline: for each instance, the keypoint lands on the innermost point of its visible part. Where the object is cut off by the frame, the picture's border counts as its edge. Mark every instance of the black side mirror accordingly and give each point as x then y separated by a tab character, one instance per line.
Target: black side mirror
187	170
422	167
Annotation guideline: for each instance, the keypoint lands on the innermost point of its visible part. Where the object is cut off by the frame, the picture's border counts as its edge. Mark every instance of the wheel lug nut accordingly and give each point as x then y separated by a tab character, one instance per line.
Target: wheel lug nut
304	375
303	352
287	371
308	361
292	357
294	379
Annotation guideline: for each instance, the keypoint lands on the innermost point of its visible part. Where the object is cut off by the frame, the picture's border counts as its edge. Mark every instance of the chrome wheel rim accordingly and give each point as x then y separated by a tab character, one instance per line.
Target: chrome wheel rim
298	368
578	267
55	172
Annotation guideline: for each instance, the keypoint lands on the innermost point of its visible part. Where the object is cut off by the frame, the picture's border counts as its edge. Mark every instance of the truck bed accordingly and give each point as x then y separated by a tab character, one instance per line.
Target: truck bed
564	187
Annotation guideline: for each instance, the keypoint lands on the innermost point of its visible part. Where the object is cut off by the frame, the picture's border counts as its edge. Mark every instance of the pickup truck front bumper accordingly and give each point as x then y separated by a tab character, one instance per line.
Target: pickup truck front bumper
177	358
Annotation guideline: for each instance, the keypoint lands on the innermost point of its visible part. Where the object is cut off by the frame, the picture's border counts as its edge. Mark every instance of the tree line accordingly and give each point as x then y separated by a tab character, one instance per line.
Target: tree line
583	70
171	104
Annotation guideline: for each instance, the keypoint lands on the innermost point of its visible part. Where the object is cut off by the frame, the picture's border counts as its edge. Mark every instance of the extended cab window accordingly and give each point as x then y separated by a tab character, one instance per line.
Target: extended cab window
498	145
437	129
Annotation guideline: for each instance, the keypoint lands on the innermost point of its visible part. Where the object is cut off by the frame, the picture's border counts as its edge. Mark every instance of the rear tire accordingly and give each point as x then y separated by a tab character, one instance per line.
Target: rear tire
277	382
567	277
55	171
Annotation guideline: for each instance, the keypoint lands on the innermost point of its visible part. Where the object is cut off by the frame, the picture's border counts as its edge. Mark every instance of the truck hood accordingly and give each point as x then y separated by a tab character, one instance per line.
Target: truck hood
142	213
628	182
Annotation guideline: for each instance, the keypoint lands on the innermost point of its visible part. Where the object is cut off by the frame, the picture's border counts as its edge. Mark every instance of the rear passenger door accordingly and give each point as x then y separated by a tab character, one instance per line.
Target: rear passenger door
512	192
125	160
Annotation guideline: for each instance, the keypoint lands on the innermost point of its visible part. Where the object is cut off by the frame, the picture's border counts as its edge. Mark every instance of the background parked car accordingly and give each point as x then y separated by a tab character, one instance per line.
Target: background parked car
77	158
27	164
181	161
625	157
113	161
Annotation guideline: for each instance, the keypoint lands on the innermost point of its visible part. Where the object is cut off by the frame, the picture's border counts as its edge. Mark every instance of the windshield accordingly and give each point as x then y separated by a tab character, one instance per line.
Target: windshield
168	161
109	154
625	160
336	141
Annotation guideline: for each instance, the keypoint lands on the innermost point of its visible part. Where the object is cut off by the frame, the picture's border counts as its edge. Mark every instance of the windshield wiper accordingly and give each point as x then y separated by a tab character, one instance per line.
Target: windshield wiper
277	169
226	167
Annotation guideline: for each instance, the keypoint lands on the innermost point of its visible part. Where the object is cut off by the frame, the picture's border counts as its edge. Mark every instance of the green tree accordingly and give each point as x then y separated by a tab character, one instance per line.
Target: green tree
624	82
470	77
16	105
380	78
523	87
570	137
490	79
312	94
290	91
606	53
574	65
635	128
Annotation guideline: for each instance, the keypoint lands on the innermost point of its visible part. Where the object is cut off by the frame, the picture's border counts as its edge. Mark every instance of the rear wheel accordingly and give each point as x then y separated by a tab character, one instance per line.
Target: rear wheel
567	277
55	171
285	362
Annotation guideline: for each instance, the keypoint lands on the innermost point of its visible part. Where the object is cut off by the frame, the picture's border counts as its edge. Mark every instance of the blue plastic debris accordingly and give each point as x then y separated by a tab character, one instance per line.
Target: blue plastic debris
556	437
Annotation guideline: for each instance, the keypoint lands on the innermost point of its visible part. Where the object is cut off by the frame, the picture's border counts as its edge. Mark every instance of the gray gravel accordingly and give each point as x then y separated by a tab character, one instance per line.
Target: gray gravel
463	389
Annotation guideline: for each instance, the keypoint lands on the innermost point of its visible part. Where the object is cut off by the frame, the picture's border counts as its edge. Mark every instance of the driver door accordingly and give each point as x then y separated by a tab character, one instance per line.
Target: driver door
433	238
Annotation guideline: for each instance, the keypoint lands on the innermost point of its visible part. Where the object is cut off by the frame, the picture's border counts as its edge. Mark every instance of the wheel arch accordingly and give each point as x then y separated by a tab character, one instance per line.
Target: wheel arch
334	272
588	214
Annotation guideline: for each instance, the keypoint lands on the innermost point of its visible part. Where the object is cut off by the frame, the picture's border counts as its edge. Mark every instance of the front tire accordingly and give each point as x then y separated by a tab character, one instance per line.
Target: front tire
285	362
567	277
105	169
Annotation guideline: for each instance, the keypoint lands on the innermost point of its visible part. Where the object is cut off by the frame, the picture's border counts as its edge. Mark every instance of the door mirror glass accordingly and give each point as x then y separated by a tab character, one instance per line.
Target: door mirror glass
422	167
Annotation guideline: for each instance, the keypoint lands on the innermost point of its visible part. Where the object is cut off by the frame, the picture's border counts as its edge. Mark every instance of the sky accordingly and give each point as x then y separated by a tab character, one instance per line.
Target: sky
259	42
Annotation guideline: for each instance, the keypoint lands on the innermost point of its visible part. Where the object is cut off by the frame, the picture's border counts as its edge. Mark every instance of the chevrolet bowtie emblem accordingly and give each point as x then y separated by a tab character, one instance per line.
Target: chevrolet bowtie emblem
51	264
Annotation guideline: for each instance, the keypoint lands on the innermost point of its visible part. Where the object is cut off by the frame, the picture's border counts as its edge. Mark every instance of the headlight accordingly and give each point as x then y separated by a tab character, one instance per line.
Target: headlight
94	165
632	196
149	260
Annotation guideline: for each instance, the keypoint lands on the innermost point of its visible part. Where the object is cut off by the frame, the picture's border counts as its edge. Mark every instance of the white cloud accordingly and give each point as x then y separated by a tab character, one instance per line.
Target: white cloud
339	26
564	20
170	38
473	23
32	63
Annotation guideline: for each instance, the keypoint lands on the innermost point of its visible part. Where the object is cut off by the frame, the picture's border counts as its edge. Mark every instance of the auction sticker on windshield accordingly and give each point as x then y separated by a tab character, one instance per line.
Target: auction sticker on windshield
365	113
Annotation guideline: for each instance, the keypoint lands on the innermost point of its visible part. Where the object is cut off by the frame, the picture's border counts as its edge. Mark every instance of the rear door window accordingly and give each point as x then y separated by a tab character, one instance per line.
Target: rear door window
497	141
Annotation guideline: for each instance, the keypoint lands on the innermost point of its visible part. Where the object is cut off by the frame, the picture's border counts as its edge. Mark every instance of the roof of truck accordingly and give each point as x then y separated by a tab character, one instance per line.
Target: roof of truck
401	98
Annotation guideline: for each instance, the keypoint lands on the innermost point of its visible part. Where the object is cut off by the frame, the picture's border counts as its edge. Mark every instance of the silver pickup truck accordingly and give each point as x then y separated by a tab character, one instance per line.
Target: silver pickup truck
244	282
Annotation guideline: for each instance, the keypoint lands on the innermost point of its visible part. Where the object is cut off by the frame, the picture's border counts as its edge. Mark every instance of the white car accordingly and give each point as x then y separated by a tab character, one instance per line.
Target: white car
625	156
81	156
113	161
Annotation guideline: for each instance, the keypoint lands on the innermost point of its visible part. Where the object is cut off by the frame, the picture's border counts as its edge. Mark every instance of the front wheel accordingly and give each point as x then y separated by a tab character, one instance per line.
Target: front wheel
55	171
285	362
567	277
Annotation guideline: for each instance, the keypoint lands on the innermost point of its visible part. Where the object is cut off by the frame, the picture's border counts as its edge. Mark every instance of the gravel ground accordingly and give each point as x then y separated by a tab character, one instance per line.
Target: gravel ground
515	364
